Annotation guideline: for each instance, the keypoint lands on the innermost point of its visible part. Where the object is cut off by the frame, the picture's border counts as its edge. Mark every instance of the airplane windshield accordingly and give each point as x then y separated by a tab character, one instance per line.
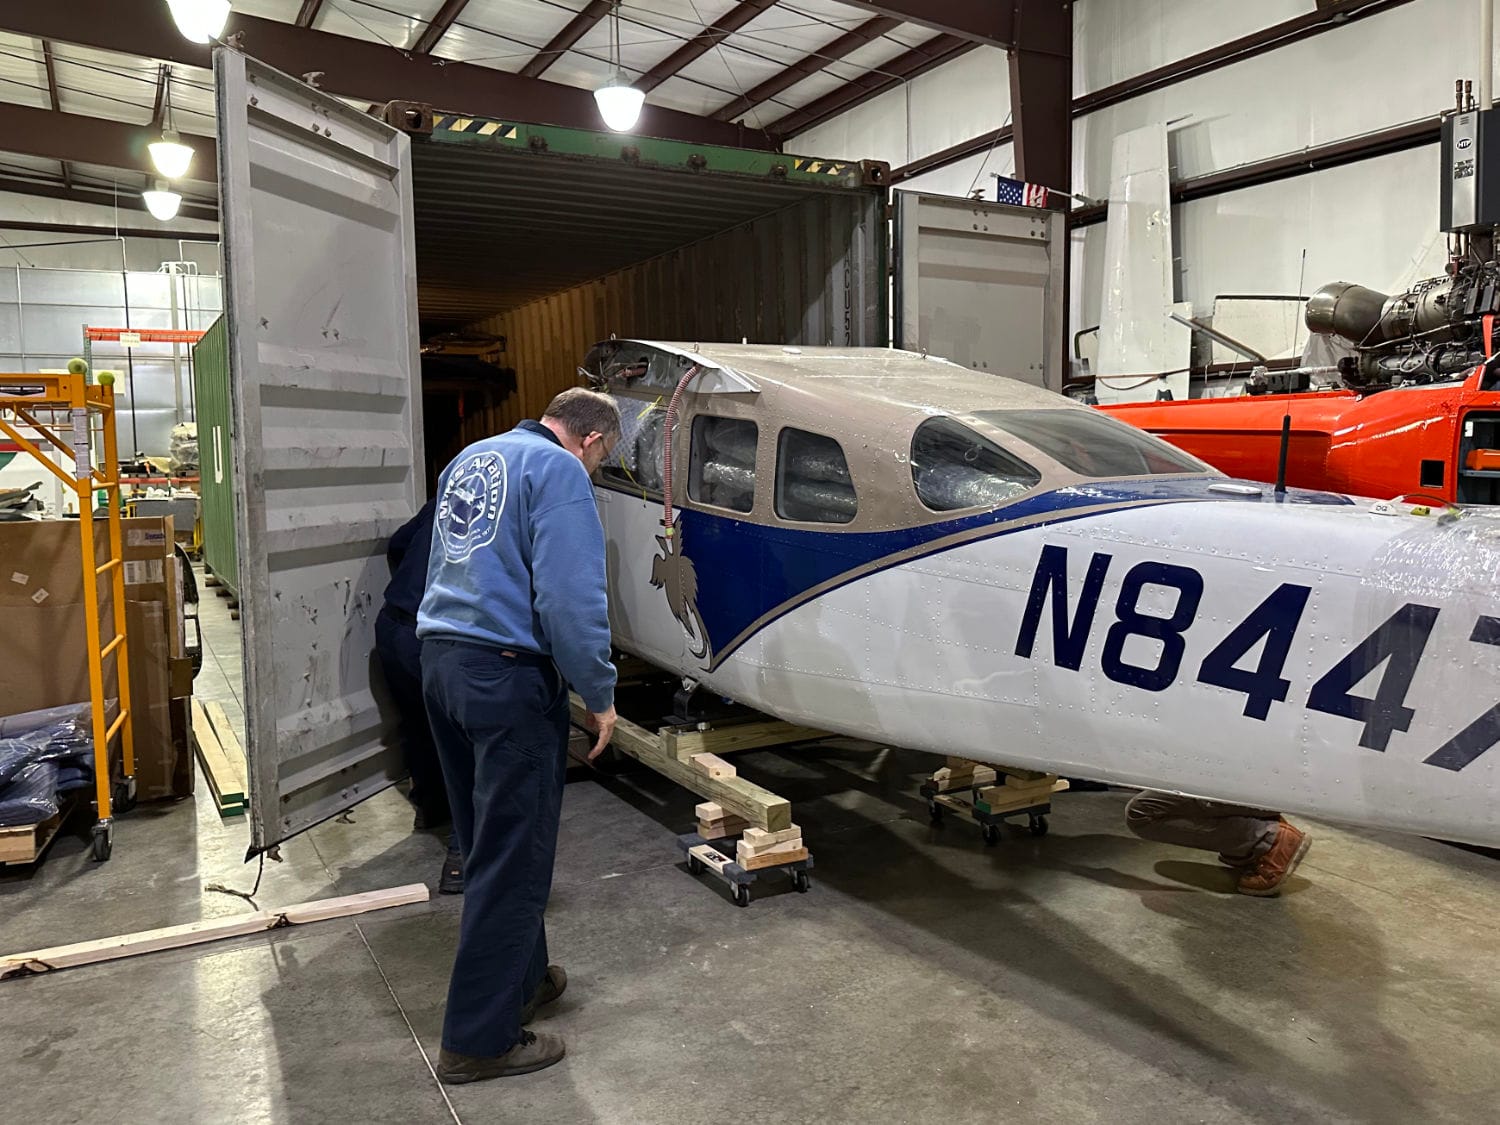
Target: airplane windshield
1092	444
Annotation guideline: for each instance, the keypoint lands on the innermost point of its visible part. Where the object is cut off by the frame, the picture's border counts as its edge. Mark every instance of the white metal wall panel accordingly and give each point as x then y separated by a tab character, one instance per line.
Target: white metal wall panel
982	285
320	285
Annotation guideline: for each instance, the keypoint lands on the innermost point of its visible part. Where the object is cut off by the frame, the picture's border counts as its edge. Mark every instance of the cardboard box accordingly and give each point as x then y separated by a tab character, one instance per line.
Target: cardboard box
46	665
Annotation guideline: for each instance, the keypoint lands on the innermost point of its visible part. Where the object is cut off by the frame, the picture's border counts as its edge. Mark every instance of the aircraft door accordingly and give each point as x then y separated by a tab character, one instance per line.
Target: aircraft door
981	284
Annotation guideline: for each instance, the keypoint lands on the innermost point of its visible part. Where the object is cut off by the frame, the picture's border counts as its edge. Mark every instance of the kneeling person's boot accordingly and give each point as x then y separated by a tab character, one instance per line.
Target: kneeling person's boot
533	1051
1265	879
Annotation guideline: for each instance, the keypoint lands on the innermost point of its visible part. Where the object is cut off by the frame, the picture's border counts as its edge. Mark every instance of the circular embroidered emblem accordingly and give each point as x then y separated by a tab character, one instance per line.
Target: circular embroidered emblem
469	509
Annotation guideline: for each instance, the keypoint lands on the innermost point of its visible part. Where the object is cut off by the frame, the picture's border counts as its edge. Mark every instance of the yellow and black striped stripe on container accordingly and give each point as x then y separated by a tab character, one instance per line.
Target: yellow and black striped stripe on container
477	125
820	167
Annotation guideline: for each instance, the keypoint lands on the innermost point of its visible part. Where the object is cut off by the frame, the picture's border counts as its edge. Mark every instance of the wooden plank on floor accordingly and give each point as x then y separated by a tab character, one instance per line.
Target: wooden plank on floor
225	775
742	798
197	933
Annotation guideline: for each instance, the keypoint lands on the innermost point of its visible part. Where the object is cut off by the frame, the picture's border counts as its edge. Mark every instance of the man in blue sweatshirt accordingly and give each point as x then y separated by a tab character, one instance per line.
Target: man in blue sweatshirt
515	611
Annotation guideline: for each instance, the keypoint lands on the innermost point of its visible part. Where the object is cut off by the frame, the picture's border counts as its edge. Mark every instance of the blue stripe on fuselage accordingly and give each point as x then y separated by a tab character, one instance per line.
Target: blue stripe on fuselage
748	570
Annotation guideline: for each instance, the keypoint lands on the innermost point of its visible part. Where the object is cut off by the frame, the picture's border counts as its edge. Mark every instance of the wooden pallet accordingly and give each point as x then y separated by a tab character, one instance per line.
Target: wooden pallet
223	762
27	843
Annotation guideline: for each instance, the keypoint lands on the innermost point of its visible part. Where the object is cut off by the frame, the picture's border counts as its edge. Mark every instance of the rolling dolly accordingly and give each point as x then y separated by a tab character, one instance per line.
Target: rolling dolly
705	856
994	796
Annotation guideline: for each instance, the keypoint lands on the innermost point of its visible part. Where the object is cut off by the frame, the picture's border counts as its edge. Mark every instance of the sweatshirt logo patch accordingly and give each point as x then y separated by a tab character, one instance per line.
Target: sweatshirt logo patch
469	509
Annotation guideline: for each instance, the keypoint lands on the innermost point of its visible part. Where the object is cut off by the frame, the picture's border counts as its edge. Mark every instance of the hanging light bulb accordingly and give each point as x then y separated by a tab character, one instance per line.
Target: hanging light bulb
620	103
200	21
162	202
170	155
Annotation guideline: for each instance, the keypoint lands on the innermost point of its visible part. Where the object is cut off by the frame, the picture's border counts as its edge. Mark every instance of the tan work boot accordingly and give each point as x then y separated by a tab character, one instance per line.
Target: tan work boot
532	1052
553	985
1273	869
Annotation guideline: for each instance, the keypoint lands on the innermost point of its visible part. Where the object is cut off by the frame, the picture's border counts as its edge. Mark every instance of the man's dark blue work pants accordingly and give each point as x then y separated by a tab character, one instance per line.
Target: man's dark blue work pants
500	721
401	660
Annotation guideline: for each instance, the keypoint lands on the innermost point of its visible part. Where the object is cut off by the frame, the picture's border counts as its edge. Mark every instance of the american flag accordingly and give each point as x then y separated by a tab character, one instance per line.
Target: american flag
1019	194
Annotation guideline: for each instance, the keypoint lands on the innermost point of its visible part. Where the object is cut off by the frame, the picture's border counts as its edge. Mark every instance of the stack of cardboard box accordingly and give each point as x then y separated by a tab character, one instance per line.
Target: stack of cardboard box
43	649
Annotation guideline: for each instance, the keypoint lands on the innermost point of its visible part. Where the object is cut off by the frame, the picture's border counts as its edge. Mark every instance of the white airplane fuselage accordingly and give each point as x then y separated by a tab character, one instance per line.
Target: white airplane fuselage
1311	652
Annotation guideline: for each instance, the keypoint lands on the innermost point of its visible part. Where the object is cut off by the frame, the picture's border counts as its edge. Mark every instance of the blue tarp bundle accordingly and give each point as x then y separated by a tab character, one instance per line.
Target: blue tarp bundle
43	753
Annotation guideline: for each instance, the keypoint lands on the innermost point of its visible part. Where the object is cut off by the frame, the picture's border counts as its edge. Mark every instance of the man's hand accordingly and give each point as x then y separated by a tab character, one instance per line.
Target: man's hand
604	723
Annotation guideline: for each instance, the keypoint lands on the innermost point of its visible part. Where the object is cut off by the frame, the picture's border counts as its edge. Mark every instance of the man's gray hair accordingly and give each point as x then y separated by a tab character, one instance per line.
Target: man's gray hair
586	412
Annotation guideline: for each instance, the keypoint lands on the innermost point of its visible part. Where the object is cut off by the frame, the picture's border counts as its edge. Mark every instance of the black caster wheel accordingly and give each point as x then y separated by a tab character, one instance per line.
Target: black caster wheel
934	812
104	841
802	881
991	834
695	865
742	894
122	796
1038	825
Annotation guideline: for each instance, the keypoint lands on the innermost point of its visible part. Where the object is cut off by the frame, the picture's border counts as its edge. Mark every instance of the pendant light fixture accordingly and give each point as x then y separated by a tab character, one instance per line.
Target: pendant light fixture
619	102
162	202
200	21
169	154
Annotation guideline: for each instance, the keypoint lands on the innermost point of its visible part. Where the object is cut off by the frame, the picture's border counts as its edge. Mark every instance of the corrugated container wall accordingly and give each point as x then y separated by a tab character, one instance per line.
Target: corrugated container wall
554	239
216	455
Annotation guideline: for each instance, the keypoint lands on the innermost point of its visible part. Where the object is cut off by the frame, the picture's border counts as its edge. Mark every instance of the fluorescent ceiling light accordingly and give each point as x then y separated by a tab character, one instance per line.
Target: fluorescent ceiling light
200	21
162	202
170	155
620	104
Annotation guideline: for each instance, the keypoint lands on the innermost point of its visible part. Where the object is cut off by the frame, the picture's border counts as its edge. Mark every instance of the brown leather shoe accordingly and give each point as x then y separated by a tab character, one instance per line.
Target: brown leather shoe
1276	866
531	1053
553	985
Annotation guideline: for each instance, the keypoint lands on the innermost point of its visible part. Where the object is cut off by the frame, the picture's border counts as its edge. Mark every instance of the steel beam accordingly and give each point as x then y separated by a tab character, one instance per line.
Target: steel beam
850	41
308	13
1289	165
56	100
1335	14
159	106
579	26
702	43
352	67
92	140
1041	92
439	26
82	193
979	21
903	68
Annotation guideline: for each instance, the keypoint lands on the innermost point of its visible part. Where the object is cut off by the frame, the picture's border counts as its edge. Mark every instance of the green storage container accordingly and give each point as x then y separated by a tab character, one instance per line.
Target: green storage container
216	455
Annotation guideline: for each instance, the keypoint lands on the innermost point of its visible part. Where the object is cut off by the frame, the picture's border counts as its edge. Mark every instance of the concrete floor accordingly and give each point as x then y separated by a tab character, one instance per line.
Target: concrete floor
1079	978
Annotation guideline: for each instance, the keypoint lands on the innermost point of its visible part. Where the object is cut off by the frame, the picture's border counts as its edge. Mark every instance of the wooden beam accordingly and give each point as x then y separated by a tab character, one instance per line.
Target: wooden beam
847	43
438	27
700	44
683	744
742	798
579	26
197	933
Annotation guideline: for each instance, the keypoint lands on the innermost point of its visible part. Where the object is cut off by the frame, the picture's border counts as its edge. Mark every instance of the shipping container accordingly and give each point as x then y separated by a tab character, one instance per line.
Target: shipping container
347	240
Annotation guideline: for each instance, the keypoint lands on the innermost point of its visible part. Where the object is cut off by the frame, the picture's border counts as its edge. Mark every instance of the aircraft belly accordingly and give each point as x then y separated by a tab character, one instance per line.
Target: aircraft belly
1136	686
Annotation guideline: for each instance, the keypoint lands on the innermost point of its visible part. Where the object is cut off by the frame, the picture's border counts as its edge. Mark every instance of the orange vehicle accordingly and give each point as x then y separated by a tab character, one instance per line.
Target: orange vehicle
1437	439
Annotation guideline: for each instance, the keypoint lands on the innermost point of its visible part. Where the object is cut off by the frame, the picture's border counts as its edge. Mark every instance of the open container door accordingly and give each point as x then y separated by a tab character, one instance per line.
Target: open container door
320	293
982	284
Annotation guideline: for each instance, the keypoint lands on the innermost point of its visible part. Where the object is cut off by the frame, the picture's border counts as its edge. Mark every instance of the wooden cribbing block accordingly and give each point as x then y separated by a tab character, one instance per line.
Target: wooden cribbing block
1021	778
709	810
745	850
949	777
760	838
684	743
713	765
744	799
770	859
719	829
1002	798
221	758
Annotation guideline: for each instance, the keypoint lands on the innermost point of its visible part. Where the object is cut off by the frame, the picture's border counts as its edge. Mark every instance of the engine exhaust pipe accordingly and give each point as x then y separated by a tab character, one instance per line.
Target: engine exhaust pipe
1342	308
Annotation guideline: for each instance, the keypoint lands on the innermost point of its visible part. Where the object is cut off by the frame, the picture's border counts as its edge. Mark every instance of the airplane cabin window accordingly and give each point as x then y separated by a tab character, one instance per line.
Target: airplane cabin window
953	467
812	479
636	462
722	467
1093	444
